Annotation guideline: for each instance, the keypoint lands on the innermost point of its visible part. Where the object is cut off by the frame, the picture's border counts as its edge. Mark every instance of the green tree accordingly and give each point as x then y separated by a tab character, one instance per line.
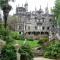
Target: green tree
4	32
53	50
6	9
12	22
8	52
56	11
6	35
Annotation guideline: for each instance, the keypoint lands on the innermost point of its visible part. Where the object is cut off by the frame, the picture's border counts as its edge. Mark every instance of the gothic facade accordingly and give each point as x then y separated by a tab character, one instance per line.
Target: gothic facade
34	24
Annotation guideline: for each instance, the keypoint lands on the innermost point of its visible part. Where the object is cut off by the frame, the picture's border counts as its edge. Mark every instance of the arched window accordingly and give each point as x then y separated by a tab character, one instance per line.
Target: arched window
35	27
50	20
28	27
47	28
43	27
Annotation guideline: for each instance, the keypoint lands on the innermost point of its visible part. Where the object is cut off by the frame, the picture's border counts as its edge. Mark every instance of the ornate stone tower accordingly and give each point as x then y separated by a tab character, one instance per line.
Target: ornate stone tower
26	6
46	10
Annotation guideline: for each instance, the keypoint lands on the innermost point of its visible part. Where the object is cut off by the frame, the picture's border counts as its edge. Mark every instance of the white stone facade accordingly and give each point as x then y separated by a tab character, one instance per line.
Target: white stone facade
35	22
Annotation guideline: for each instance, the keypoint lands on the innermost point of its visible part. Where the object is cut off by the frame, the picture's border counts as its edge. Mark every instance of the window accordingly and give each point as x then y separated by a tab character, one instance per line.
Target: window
53	26
47	28
43	19
35	27
43	28
42	32
35	18
29	18
50	20
28	27
29	33
19	27
39	23
25	27
47	33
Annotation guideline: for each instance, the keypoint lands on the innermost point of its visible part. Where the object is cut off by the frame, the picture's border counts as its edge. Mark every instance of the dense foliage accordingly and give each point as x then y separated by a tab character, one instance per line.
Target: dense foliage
56	11
53	50
8	53
26	52
15	35
4	2
5	35
42	41
12	22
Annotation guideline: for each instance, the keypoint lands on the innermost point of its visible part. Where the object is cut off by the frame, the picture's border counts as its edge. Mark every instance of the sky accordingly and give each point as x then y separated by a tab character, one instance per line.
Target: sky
32	4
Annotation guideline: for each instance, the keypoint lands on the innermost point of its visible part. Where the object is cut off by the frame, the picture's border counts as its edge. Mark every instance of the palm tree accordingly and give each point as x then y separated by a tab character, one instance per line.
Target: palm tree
6	9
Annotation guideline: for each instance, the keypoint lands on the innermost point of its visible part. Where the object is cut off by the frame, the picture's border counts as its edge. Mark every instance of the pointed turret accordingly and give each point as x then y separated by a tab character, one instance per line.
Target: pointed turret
46	10
22	5
26	6
40	10
18	5
35	8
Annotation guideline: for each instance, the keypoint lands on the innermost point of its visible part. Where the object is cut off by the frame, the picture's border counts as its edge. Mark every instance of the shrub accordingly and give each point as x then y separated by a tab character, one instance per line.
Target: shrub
26	52
5	35
53	50
22	37
42	41
30	39
15	35
8	53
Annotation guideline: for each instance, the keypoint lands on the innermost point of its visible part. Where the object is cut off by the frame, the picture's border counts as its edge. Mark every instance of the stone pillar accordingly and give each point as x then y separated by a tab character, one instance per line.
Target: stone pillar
18	55
17	49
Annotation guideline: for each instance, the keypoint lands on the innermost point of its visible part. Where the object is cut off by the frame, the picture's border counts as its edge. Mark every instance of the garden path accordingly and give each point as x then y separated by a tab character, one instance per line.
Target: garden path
41	58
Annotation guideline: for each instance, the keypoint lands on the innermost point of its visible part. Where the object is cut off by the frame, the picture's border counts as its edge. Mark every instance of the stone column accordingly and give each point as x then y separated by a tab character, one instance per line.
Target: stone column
17	49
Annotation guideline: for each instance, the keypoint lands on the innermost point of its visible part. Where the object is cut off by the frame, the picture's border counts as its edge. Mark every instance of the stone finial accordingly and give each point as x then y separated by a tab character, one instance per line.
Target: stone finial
40	7
46	9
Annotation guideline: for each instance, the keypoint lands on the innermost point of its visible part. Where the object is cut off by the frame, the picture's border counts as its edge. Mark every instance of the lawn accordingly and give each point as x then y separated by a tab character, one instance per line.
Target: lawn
31	43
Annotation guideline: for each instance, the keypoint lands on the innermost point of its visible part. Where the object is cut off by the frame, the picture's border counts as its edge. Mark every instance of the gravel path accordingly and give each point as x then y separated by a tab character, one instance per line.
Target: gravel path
41	58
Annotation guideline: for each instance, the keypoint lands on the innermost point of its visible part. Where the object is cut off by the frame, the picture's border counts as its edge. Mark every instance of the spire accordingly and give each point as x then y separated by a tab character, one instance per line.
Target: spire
26	5
22	5
26	2
46	9
35	8
18	5
40	8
